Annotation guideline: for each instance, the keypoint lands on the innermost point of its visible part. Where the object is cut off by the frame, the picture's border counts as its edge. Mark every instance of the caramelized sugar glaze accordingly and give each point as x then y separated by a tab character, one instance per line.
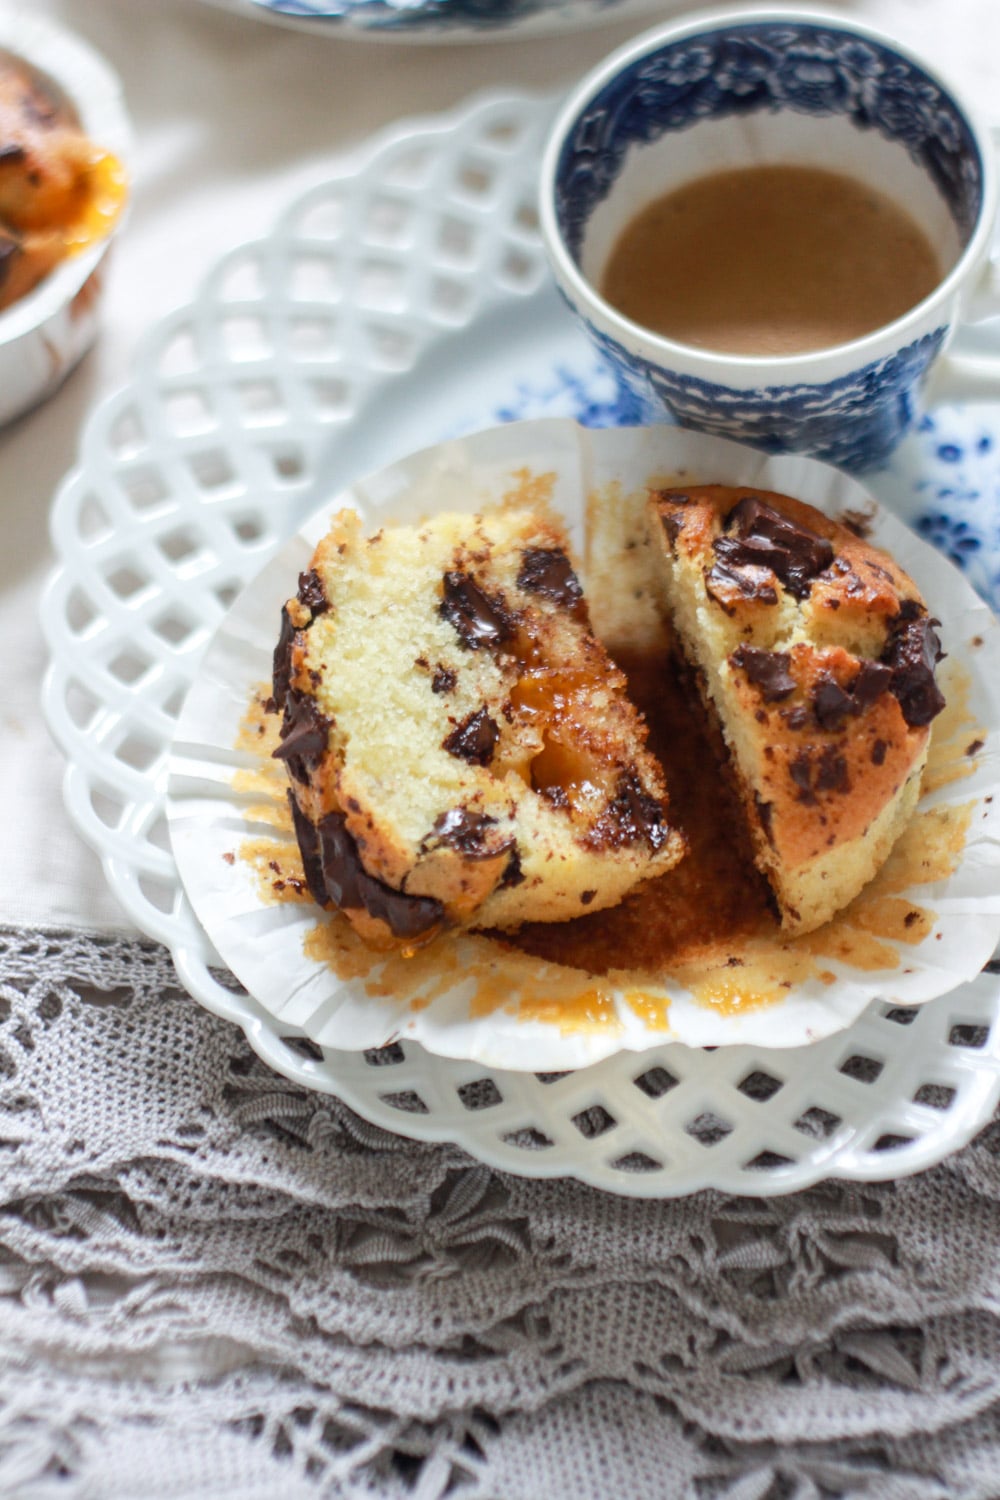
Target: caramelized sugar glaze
714	897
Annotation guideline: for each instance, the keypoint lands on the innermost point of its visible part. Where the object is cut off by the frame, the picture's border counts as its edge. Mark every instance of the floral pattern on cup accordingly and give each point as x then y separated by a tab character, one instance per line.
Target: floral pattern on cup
782	66
854	422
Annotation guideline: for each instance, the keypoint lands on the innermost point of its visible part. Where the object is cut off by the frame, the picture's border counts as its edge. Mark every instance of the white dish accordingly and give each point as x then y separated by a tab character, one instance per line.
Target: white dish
45	334
275	388
212	812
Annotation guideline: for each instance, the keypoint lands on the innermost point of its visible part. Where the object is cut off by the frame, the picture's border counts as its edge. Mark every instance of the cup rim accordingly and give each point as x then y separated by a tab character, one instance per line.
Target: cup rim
772	369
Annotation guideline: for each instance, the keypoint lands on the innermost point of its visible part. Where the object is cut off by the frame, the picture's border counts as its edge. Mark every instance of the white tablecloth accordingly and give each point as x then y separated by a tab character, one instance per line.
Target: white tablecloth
234	117
216	1283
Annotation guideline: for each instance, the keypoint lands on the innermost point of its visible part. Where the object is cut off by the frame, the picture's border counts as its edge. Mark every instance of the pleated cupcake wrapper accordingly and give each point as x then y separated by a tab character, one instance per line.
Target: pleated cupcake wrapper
220	806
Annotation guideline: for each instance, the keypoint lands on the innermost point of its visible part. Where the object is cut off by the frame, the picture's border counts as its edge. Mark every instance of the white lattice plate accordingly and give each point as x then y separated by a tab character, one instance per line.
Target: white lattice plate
395	305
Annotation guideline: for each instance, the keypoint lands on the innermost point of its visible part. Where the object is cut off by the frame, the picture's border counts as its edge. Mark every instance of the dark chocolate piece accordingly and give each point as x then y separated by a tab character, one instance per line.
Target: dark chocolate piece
305	734
312	593
752	582
444	679
800	771
673	525
630	816
871	682
308	842
281	663
478	618
831	704
758	535
474	739
878	752
831	773
912	651
349	886
797	717
513	874
547	571
767	670
460	829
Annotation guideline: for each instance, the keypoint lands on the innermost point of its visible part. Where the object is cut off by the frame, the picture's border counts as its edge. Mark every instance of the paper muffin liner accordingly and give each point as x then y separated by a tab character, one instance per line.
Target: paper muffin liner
466	996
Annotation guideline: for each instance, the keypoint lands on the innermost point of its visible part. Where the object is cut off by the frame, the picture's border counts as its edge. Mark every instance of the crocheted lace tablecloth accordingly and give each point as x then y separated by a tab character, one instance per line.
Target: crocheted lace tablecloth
214	1283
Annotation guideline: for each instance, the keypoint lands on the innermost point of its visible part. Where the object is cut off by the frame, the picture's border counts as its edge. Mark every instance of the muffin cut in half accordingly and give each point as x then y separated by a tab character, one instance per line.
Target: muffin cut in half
460	748
815	654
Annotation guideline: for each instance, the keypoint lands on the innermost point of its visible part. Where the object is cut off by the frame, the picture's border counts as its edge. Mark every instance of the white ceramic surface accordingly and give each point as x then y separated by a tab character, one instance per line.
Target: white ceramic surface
241	413
46	333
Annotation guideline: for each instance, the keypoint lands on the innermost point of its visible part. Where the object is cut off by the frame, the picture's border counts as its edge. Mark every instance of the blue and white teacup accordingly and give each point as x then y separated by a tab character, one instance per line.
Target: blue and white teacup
779	86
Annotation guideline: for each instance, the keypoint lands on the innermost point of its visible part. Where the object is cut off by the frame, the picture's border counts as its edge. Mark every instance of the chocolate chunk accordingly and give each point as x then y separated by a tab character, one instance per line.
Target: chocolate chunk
673	525
631	815
474	739
444	679
912	652
308	842
831	773
349	886
758	535
830	768
312	593
479	619
586	897
547	571
878	752
281	662
750	581
460	829
831	704
767	670
305	734
797	717
800	771
871	682
513	874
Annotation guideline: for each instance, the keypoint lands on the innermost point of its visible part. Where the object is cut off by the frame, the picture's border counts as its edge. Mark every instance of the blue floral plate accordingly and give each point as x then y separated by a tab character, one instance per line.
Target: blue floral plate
442	20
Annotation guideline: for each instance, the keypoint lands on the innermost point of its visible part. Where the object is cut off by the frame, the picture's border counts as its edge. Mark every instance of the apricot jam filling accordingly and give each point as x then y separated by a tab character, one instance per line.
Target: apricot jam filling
555	701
